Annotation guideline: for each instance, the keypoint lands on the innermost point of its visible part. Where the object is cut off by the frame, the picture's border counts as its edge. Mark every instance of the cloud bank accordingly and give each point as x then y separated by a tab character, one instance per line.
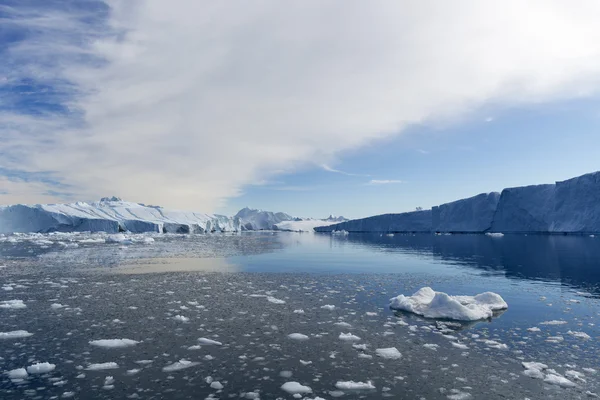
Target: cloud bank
182	103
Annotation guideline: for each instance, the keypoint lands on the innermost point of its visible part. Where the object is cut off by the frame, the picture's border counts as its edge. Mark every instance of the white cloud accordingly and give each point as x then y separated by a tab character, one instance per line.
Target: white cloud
383	181
187	101
337	171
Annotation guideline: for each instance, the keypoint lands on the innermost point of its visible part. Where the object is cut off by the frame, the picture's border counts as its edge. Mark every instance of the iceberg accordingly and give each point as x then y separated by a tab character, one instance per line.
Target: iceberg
431	304
474	214
111	215
257	220
415	221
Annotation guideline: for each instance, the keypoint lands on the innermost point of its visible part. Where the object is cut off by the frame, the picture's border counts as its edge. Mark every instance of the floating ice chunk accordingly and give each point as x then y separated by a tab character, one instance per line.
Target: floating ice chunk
495	234
458	395
181	318
534	373
390	353
12	304
40	368
216	385
113	343
575	375
590	370
351	385
558	380
340	233
360	346
348	337
295	387
555	339
300	311
534	365
343	324
209	342
19	373
329	307
305	362
553	322
431	304
133	371
56	306
102	366
460	346
179	365
495	345
534	329
580	335
15	334
273	300
297	336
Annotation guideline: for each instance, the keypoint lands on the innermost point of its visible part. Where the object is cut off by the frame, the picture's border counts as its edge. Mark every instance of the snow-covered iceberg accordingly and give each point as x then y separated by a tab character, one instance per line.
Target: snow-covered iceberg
257	220
525	209
474	214
109	215
432	304
416	221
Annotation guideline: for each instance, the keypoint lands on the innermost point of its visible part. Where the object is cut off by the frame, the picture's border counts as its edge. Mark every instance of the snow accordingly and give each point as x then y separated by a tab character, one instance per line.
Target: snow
206	341
390	353
297	336
474	214
431	304
113	343
12	304
40	368
351	385
295	387
15	335
416	221
179	365
102	366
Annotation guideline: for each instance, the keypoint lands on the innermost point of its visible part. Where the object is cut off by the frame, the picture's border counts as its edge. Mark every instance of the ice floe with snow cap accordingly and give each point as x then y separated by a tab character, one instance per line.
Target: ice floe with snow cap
432	304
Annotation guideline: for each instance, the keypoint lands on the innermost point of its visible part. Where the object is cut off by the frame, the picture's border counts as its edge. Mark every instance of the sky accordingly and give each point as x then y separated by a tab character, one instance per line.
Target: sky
308	107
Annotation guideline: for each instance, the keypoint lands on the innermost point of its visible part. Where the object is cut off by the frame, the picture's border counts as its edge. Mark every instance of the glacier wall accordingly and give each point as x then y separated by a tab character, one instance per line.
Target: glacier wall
416	221
474	214
569	207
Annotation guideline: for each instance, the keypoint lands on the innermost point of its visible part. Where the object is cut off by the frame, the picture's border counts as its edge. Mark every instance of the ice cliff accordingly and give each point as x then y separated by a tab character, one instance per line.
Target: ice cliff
109	215
256	220
571	206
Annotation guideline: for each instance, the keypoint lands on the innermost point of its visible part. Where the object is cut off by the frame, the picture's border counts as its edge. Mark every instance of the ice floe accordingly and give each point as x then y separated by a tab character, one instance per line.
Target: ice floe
12	304
351	385
102	366
206	341
431	304
40	368
113	343
390	353
297	336
295	387
15	334
179	365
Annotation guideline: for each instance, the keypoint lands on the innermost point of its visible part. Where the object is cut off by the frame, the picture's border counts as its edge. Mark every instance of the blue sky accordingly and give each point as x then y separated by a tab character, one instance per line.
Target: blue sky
487	151
211	107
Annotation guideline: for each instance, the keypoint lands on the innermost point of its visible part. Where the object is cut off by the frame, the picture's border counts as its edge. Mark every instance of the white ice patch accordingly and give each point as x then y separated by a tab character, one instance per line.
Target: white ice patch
12	304
558	380
102	366
113	343
390	353
273	300
297	336
209	342
19	373
579	335
179	365
348	337
431	304
329	307
15	335
181	318
553	322
534	329
40	368
351	385
295	387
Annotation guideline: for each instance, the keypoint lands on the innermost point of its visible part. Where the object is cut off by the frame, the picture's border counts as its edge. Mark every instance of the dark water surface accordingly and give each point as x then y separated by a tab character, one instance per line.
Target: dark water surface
246	292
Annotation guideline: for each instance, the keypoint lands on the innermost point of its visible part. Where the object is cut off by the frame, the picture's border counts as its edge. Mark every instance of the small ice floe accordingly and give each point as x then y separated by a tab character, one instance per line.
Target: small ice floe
343	324
102	366
209	342
297	336
329	307
340	233
295	387
15	335
19	373
575	375
56	306
8	288
118	238
555	339
534	329
431	346
40	368
553	322
348	337
460	346
113	343
194	347
431	304
494	234
299	311
534	369
179	365
555	379
274	300
216	385
390	353
495	345
181	318
579	335
351	385
12	304
371	314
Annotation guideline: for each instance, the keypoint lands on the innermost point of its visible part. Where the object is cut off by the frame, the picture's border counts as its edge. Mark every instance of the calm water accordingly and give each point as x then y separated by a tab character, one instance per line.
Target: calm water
245	292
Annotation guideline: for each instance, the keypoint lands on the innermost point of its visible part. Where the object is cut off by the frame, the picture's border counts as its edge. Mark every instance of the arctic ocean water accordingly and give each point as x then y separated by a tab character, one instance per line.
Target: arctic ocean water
208	316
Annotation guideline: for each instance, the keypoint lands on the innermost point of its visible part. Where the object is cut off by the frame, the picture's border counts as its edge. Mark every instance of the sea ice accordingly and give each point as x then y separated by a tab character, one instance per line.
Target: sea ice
15	334
348	337
431	304
12	304
207	342
328	307
390	353
179	365
113	343
580	335
40	368
295	387
351	385
19	373
102	366
297	336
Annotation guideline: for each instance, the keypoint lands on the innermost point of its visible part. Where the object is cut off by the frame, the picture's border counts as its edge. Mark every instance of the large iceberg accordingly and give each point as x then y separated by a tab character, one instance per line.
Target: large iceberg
109	215
432	304
525	209
257	220
474	214
416	221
